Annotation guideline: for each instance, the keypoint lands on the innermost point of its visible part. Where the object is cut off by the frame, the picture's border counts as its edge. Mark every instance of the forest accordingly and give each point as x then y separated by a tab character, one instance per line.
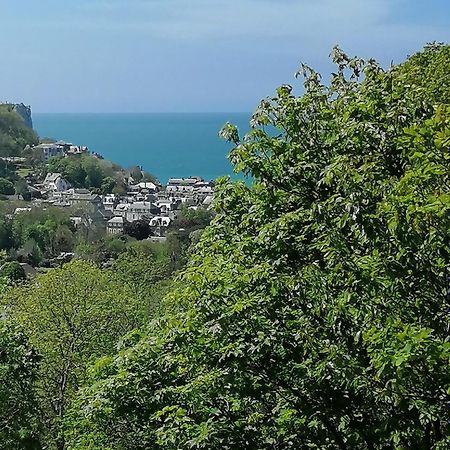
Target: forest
312	313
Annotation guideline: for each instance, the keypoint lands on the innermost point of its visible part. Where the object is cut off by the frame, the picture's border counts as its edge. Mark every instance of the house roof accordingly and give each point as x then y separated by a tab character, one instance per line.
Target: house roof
116	219
122	206
141	205
30	271
52	177
59	147
182	181
146	185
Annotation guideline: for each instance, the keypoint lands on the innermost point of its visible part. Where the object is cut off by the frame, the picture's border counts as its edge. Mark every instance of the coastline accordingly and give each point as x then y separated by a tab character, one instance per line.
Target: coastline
165	144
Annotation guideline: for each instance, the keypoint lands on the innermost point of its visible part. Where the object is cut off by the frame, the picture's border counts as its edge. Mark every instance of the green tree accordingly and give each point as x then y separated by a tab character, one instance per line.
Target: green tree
72	315
13	271
108	184
94	174
21	188
6	234
145	276
314	313
138	229
19	414
6	187
136	173
62	240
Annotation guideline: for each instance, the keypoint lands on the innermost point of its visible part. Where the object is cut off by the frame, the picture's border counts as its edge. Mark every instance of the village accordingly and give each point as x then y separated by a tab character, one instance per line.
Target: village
157	205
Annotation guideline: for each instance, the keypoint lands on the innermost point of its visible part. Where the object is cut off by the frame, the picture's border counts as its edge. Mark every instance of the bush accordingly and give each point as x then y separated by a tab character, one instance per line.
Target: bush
13	271
6	187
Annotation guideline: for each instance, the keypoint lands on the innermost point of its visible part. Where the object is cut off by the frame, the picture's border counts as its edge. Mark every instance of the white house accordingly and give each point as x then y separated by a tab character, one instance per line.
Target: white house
50	150
160	221
148	186
115	225
110	201
179	189
56	183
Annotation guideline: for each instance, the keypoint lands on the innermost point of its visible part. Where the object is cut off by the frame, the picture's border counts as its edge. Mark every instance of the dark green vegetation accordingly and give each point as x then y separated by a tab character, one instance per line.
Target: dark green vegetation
313	312
15	135
13	271
19	413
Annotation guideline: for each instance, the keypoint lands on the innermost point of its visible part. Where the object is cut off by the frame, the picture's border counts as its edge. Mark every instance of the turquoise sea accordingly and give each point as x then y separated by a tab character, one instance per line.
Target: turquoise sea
166	145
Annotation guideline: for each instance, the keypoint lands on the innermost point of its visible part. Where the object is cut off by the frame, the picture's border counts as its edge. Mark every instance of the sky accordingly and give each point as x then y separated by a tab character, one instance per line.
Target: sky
193	55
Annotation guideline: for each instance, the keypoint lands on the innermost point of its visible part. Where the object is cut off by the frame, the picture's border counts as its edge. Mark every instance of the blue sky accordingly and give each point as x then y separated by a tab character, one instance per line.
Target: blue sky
192	55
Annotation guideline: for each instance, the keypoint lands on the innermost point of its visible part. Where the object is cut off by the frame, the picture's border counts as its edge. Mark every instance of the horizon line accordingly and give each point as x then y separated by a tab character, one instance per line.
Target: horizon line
142	112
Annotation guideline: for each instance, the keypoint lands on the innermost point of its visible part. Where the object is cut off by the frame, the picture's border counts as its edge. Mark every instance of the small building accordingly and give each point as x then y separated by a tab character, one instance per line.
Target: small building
159	225
30	271
148	187
141	210
55	182
121	209
165	205
77	150
110	201
115	225
73	197
50	150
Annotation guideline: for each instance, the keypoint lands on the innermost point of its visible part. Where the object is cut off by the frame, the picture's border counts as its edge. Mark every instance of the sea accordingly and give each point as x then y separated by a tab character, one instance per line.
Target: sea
164	144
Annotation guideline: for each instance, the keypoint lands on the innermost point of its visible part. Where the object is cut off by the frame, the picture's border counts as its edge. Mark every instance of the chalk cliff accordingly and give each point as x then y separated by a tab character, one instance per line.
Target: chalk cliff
25	112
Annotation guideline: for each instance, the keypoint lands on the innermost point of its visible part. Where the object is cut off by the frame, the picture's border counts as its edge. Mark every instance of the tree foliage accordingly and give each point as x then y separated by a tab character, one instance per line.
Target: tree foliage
72	315
19	413
6	187
13	271
138	229
15	135
315	310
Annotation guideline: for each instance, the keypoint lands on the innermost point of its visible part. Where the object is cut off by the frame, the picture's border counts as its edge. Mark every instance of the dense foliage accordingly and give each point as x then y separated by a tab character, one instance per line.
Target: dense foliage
138	229
314	313
6	187
15	135
38	235
19	414
13	271
72	315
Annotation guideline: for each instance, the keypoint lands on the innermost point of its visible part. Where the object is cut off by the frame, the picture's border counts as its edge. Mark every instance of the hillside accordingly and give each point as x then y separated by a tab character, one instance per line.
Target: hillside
15	134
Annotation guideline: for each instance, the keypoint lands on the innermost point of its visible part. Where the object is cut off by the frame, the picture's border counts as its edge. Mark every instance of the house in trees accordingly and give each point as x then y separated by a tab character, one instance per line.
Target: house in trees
48	151
115	225
121	209
55	182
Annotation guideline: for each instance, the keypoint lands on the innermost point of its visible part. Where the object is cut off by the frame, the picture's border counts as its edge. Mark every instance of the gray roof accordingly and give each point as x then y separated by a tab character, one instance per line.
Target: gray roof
52	177
116	219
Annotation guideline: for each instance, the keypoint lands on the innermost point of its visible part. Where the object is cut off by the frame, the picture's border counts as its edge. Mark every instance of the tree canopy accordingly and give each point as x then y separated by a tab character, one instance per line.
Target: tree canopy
314	312
19	413
72	315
